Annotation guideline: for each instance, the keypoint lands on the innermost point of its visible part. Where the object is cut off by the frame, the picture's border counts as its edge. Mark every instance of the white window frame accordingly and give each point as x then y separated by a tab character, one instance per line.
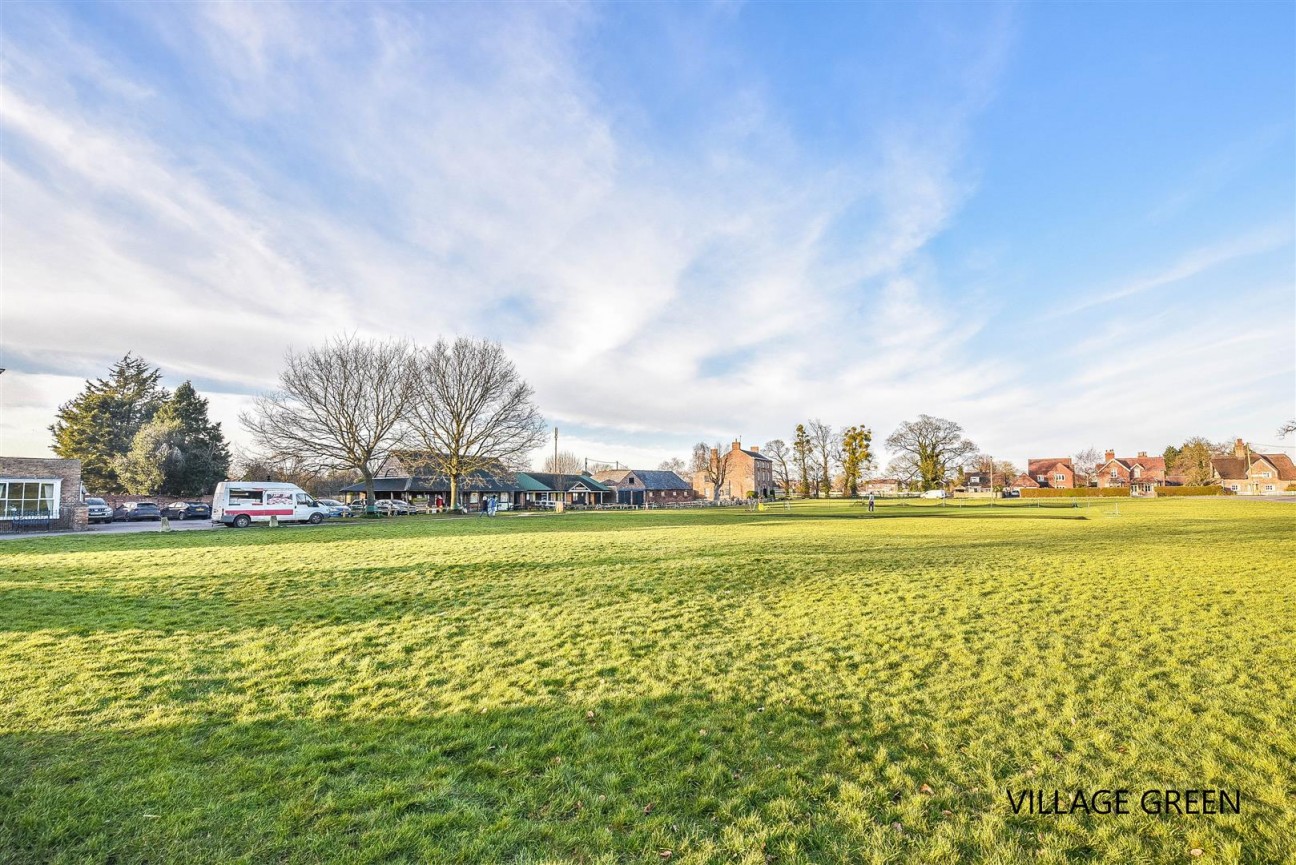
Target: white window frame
55	501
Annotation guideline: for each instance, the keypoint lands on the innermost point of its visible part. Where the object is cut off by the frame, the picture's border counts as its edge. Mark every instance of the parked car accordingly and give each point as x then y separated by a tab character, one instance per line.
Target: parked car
336	508
99	512
1012	494
187	511
393	507
934	494
133	512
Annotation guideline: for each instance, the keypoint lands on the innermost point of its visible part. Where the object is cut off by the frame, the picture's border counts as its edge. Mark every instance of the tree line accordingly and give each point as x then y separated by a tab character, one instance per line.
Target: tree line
133	436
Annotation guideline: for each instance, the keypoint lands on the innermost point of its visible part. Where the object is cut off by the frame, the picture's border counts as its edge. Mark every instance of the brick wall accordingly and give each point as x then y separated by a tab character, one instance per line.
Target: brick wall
72	512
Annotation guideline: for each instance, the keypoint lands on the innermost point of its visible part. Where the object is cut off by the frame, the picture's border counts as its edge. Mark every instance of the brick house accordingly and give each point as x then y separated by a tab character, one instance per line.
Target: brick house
646	486
35	486
1249	473
1141	474
1050	473
747	471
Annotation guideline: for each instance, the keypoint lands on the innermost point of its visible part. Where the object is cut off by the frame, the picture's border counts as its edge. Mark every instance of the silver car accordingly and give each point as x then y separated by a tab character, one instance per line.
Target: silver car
98	511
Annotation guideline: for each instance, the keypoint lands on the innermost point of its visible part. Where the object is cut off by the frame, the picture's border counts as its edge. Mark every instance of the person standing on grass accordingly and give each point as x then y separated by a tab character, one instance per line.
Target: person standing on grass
440	503
870	501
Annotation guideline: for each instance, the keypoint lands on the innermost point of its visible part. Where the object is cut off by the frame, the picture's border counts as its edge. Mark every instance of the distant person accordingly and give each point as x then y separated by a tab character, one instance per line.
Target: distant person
440	503
870	501
492	505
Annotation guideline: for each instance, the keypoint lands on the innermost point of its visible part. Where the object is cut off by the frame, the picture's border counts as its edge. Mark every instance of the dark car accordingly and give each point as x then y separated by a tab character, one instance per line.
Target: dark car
97	510
137	511
187	511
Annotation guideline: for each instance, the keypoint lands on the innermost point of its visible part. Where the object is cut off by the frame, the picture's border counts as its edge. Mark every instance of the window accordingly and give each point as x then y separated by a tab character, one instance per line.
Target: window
1233	487
1269	488
1114	474
1041	478
303	499
1059	478
241	498
1266	474
29	497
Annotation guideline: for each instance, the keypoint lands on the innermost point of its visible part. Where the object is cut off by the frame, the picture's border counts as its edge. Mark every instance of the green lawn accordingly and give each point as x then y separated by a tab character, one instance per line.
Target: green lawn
805	686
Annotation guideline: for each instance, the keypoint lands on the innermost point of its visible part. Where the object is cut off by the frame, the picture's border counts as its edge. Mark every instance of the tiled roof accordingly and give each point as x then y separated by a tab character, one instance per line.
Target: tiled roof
661	480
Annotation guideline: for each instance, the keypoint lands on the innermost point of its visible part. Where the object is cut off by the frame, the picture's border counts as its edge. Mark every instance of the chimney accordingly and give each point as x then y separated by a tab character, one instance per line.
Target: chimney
715	455
755	449
1239	449
1111	455
1142	453
737	445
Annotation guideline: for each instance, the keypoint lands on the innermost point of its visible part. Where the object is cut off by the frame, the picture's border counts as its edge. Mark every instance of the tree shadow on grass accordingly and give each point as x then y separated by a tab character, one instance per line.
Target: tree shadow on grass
616	780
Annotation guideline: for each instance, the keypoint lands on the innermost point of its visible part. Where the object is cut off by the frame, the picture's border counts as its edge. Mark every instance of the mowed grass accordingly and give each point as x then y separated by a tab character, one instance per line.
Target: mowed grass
805	686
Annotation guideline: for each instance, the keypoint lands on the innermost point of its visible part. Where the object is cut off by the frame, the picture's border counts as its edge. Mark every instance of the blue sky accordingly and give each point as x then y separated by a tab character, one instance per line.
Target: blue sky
1061	225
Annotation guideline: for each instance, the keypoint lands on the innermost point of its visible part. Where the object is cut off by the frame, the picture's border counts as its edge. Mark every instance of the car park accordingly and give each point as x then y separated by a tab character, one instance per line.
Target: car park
98	511
393	507
187	511
133	512
336	508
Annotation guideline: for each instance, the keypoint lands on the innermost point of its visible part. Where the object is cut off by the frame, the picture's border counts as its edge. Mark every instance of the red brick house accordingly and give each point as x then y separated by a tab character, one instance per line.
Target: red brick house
1248	473
1141	474
1050	473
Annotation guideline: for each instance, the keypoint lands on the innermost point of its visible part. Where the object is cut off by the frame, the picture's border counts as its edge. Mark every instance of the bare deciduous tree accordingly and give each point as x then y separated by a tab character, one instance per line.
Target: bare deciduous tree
472	411
339	406
567	463
927	449
674	464
712	462
1287	429
778	451
824	443
1087	462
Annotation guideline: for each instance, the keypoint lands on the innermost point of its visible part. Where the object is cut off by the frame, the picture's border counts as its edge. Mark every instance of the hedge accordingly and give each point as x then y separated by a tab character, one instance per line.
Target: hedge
1081	493
1194	491
1120	492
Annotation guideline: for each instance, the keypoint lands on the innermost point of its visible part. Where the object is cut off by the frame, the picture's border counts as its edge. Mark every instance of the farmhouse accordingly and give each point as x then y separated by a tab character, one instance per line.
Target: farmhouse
1056	473
746	472
1249	473
1142	474
645	486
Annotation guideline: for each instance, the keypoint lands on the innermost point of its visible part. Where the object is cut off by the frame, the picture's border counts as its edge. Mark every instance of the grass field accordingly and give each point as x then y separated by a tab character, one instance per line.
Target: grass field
804	686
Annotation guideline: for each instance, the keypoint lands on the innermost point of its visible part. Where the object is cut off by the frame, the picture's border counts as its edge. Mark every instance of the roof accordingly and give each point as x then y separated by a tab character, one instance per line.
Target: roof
757	455
1044	465
1236	468
613	476
551	480
1025	480
650	479
477	480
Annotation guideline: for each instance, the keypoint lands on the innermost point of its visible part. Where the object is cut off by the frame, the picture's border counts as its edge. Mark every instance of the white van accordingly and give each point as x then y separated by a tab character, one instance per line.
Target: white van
241	503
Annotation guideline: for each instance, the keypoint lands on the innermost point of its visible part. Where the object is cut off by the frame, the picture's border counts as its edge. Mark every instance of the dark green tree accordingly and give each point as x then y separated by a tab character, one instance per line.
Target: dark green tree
204	457
99	425
856	456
